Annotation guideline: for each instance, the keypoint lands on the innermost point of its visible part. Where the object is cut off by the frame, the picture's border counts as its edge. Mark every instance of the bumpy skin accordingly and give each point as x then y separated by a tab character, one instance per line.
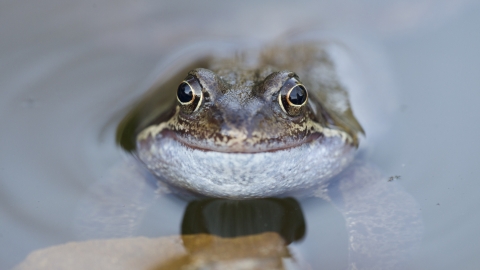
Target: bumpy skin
241	143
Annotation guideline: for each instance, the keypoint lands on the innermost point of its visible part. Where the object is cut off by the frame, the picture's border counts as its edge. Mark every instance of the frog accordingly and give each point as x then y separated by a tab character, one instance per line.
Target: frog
274	127
274	121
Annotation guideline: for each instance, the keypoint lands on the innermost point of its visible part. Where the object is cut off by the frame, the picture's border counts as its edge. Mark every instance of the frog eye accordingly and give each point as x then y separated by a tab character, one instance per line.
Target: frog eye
189	94
292	97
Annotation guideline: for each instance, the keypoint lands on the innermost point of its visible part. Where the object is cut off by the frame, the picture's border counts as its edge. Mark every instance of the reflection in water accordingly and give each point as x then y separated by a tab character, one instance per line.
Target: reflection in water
246	234
259	251
383	223
115	206
232	218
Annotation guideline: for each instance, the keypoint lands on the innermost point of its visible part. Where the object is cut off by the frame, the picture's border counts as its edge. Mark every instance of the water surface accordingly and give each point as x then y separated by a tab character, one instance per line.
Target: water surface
69	71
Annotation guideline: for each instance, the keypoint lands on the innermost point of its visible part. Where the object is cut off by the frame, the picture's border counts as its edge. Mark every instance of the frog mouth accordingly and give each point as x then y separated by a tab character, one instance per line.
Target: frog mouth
236	145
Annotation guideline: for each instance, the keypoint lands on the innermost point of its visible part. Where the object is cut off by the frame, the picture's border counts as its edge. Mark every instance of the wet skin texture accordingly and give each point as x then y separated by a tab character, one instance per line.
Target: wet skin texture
277	122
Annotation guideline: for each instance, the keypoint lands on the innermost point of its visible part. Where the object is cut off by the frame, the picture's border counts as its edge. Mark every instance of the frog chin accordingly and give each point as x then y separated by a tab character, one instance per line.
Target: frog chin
242	175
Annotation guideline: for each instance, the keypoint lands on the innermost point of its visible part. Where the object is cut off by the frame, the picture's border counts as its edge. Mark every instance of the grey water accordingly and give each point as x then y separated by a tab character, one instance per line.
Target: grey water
69	71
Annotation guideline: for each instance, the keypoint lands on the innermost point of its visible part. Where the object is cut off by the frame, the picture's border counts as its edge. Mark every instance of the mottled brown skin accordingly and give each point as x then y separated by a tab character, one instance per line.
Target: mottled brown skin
240	110
240	115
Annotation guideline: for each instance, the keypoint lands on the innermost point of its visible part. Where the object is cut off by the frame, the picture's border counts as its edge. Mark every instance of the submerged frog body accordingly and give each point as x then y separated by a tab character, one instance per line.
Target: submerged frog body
243	128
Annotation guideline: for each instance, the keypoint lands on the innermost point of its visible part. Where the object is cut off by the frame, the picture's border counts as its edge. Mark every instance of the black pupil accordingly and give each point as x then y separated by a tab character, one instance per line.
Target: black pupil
184	93
298	95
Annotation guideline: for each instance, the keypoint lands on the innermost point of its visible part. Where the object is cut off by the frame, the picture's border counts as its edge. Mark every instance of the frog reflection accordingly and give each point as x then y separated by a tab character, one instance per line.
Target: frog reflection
234	218
247	234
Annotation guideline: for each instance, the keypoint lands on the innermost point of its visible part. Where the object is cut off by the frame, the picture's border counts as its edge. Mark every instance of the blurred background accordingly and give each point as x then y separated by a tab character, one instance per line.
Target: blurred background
69	70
